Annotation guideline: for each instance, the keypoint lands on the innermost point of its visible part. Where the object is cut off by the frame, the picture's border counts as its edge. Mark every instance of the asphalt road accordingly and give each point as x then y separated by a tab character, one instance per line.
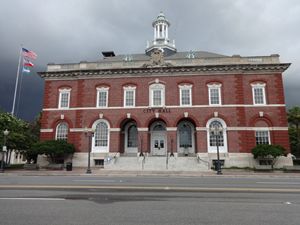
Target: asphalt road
282	184
160	200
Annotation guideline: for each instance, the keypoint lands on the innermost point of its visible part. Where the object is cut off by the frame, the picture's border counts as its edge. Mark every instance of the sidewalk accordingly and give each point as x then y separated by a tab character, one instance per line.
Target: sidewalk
105	172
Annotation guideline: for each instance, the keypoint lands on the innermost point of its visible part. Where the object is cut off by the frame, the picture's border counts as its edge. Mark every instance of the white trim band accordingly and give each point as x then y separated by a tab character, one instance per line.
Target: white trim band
171	128
167	106
46	130
142	129
115	129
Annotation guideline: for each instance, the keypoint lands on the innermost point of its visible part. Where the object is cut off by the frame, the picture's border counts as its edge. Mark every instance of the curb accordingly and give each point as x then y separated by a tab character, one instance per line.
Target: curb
114	173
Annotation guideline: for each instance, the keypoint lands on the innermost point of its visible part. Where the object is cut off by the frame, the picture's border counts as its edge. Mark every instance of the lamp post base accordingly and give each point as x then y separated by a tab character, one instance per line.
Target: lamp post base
88	171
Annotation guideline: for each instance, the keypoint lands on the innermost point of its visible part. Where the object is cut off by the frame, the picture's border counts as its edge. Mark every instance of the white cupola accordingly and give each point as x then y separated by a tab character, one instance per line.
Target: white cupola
161	37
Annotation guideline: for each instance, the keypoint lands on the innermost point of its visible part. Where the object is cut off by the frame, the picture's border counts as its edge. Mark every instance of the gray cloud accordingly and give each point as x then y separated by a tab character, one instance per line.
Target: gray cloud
76	30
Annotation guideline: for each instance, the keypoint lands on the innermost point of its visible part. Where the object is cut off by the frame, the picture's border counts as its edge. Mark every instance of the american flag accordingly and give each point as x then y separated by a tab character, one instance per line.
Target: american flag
29	54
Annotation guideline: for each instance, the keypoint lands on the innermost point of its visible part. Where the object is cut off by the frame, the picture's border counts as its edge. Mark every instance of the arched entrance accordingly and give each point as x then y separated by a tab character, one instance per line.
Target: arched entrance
158	138
185	137
130	137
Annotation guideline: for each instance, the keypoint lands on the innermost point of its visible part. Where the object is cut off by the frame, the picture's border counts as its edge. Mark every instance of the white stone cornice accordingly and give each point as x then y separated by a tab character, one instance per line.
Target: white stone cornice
167	70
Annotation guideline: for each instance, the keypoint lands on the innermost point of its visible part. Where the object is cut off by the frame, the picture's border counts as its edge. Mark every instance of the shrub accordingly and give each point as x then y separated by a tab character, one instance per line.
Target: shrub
31	155
267	154
268	151
55	150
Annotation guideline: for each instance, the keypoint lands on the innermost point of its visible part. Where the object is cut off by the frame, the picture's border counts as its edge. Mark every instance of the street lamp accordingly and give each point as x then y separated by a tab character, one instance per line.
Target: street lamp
216	129
4	149
90	134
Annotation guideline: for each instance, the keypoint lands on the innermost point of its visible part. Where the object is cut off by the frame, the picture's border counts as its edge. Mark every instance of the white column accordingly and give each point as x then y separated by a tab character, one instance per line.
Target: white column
154	32
167	36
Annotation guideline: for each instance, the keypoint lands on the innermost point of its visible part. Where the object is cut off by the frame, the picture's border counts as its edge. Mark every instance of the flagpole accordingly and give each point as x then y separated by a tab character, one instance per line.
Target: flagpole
18	99
16	85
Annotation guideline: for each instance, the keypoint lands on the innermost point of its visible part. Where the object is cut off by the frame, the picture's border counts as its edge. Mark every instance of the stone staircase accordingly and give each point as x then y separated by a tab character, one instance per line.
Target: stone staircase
156	163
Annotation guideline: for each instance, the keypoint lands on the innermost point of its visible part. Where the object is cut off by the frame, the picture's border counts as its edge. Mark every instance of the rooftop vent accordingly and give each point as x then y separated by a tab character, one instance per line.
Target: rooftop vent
108	54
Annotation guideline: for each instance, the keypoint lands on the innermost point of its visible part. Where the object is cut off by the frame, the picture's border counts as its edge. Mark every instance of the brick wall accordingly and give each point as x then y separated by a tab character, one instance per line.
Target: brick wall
236	90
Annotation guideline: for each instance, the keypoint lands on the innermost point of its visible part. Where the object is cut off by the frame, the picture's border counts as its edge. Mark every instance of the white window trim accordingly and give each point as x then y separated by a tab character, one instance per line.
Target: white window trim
64	91
129	88
259	85
213	149
185	87
263	129
100	148
102	89
152	88
214	86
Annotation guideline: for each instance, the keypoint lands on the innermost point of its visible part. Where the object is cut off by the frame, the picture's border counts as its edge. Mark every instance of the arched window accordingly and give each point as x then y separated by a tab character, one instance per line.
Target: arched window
212	136
158	127
132	136
185	135
62	131
101	136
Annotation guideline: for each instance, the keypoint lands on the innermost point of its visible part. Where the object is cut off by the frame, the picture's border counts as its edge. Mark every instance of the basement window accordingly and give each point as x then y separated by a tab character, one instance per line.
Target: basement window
99	163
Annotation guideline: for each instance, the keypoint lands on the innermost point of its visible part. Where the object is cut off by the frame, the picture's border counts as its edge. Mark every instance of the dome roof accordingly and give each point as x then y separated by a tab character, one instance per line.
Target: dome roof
161	18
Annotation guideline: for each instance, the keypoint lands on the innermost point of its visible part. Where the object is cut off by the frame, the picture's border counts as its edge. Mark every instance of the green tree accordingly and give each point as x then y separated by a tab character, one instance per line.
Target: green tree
294	130
55	150
22	135
18	137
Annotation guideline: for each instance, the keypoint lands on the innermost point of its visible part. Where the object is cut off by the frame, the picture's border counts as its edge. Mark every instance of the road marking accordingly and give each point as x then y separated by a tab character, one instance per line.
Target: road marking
154	188
38	199
103	181
296	183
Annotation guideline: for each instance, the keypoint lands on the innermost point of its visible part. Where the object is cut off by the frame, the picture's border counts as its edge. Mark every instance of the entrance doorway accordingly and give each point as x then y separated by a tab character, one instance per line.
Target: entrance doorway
131	138
158	138
185	138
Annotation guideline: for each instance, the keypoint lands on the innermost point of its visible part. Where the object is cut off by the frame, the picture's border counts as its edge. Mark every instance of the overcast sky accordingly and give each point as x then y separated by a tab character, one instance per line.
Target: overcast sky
63	31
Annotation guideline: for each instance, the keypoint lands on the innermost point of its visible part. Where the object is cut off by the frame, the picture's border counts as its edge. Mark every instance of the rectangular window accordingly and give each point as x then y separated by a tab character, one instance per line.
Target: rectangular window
214	94
157	97
64	98
259	94
129	98
102	98
262	137
185	96
259	98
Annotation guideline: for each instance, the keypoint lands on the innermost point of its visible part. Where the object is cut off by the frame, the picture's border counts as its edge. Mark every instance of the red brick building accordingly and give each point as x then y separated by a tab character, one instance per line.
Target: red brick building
163	103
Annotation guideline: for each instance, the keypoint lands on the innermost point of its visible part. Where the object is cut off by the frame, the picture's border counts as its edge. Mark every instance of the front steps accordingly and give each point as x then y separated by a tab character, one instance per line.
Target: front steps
156	163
